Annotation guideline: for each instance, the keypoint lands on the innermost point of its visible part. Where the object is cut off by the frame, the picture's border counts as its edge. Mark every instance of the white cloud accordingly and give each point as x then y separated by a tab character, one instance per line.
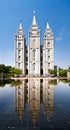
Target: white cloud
59	38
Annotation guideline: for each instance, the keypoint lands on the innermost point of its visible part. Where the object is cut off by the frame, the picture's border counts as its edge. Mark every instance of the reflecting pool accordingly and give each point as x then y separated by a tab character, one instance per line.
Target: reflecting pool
34	104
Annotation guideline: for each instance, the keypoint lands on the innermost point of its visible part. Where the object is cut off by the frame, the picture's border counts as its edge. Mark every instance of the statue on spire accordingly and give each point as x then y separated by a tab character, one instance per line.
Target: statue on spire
47	26
34	12
20	26
34	18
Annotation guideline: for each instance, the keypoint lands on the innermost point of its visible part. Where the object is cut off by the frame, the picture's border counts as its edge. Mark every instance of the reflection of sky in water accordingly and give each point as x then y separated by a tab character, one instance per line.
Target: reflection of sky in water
6	99
62	102
62	91
35	104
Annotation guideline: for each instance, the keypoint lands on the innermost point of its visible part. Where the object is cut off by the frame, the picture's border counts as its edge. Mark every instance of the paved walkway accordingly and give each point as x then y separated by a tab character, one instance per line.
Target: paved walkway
32	77
49	78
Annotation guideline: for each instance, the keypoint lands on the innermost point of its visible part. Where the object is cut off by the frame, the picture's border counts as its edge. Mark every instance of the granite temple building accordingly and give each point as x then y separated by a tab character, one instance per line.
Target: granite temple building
34	58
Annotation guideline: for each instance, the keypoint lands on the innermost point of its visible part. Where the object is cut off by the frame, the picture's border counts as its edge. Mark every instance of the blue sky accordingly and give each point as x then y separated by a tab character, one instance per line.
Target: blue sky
56	12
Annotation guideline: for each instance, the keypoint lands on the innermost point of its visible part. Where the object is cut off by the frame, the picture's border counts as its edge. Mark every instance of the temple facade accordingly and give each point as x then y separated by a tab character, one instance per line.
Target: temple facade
34	58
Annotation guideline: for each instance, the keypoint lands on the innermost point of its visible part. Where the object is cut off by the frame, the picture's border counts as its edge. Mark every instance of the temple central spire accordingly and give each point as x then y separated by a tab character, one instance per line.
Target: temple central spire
34	18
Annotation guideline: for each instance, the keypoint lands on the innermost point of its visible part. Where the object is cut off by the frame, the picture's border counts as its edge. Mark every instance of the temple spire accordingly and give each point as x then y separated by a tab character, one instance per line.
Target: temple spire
34	18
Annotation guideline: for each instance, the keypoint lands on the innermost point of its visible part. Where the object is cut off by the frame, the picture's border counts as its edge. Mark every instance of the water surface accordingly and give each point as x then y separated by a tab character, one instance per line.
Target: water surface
35	104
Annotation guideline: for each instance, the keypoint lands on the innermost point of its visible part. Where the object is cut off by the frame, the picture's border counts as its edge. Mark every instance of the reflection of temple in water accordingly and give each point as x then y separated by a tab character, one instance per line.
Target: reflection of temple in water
20	99
37	90
34	98
48	98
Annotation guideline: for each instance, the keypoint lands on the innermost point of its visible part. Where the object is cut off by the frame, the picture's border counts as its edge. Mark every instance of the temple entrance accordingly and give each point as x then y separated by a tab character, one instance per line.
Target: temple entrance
26	71
41	71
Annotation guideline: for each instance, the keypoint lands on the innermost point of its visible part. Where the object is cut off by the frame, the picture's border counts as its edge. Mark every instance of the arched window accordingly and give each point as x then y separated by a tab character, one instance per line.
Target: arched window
18	65
33	66
48	44
34	43
19	45
19	51
48	57
33	95
19	58
49	65
33	54
48	51
26	58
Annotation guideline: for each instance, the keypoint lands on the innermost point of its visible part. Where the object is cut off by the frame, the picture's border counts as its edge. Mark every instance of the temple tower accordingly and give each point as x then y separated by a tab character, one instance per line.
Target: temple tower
34	49
48	50
20	49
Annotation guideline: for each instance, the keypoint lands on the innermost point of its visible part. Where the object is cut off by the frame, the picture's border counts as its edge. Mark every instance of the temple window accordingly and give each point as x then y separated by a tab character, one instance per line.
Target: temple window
19	52
19	58
48	44
18	65
34	43
19	45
